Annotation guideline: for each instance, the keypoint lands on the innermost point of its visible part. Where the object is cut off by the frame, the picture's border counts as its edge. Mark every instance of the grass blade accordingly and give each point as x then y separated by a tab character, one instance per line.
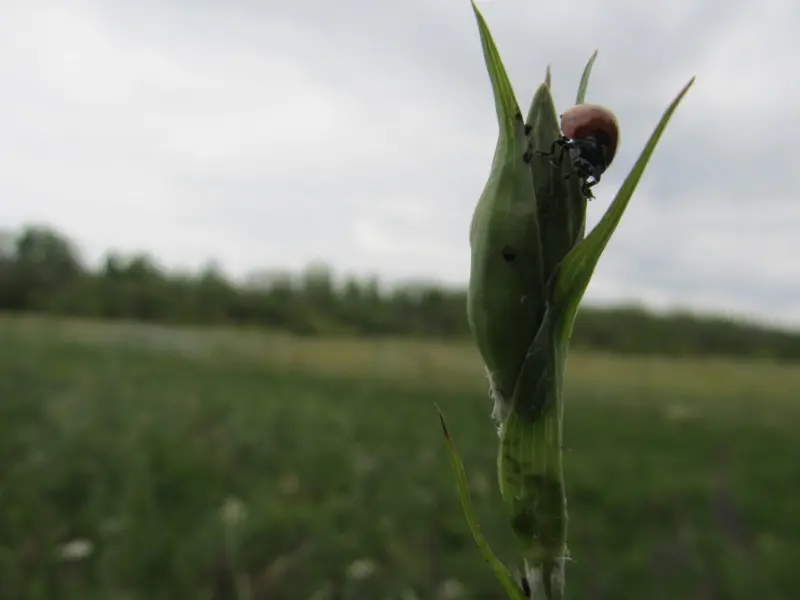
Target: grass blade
587	71
500	570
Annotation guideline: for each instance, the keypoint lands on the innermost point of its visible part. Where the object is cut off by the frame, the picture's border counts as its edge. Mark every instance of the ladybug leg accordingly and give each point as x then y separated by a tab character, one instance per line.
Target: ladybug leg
588	184
564	144
579	169
594	176
551	152
582	168
587	173
585	185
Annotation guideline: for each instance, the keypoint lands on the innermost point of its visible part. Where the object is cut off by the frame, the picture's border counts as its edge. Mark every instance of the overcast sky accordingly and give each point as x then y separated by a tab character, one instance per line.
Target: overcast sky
267	134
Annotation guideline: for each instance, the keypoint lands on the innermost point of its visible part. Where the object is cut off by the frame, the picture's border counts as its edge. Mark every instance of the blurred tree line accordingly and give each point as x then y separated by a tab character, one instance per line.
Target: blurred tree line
41	271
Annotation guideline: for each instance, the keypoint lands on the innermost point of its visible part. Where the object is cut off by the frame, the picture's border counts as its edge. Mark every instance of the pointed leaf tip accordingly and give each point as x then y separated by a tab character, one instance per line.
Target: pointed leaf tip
584	84
506	106
441	421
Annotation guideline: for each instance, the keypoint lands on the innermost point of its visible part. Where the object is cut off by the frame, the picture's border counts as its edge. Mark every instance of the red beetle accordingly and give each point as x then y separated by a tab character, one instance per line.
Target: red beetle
591	137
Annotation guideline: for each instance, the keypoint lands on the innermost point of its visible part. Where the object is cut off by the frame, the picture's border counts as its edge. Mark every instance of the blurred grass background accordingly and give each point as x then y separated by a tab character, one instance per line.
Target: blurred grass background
144	461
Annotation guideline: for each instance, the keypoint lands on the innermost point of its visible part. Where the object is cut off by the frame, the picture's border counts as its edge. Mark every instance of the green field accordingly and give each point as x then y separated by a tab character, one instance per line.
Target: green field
147	462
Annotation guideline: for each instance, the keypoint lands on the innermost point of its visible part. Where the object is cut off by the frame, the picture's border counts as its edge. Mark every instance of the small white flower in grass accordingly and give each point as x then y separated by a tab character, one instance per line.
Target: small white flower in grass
76	550
361	568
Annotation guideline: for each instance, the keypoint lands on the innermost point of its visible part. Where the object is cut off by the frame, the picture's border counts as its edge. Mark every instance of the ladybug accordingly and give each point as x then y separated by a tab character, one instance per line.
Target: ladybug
591	137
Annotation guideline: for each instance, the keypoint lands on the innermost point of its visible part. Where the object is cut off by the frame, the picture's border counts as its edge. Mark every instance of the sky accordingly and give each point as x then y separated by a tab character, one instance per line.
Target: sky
271	134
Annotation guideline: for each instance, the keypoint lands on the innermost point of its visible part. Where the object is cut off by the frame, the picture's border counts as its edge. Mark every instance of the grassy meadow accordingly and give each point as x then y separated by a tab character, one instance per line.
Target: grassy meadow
160	463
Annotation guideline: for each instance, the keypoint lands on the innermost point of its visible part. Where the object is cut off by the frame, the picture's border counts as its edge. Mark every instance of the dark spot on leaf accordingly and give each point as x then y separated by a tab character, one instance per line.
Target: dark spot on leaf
524	523
527	157
526	587
528	129
518	116
509	254
512	464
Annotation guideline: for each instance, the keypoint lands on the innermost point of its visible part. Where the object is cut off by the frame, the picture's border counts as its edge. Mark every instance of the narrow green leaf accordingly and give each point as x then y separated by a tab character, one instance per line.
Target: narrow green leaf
501	572
578	267
587	71
508	112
